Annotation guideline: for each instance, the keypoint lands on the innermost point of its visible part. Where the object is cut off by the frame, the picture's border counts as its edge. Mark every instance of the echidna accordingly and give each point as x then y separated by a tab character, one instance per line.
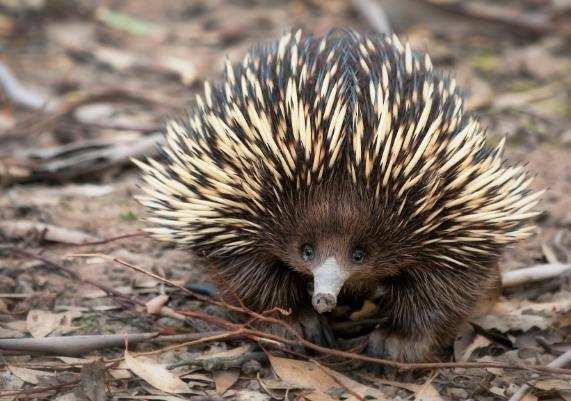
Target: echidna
348	161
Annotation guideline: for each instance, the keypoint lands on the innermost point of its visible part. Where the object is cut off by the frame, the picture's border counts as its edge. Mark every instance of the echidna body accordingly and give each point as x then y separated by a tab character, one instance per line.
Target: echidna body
346	161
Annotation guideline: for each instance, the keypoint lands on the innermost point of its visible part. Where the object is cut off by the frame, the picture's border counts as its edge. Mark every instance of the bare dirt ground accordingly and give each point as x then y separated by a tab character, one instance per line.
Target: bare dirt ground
113	71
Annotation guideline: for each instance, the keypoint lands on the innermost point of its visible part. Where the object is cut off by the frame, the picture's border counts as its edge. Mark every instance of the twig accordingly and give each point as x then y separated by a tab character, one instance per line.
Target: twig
534	273
130	266
70	345
373	13
112	239
186	337
527	24
223	335
560	362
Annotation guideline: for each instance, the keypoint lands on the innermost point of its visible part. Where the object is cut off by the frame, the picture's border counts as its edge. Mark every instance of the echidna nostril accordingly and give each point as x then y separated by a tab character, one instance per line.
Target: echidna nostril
324	302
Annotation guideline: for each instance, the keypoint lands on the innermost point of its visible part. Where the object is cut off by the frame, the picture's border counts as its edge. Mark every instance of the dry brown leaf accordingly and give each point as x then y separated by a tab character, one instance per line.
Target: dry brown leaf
160	397
565	320
155	374
28	375
479	342
41	323
321	379
119	374
520	99
155	305
3	307
92	385
18	325
501	392
427	391
225	379
184	68
407	386
10	381
553	384
529	397
249	395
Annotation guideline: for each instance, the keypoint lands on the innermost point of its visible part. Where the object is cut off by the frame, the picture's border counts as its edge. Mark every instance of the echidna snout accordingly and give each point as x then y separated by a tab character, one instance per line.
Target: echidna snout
328	278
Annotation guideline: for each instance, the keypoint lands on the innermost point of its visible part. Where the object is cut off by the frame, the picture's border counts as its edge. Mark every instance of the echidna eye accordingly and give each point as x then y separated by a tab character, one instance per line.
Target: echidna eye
358	254
307	252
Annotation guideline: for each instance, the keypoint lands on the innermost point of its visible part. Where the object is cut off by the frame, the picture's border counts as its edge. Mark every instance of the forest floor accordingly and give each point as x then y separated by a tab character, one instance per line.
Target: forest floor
112	72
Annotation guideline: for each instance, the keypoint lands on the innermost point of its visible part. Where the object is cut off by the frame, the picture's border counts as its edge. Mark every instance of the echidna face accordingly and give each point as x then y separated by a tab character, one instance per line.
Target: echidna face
337	236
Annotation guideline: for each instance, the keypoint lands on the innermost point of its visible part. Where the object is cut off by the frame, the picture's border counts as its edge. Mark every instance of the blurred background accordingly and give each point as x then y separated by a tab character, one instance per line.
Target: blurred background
86	85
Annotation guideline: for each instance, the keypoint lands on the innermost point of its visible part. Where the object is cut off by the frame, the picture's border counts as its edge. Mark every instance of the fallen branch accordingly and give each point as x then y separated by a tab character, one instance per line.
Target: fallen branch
86	157
74	100
534	273
523	23
113	239
76	345
70	345
48	232
560	362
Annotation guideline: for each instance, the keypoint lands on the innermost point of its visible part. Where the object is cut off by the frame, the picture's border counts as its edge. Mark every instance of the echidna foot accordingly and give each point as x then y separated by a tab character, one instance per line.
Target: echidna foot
315	328
309	325
399	348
